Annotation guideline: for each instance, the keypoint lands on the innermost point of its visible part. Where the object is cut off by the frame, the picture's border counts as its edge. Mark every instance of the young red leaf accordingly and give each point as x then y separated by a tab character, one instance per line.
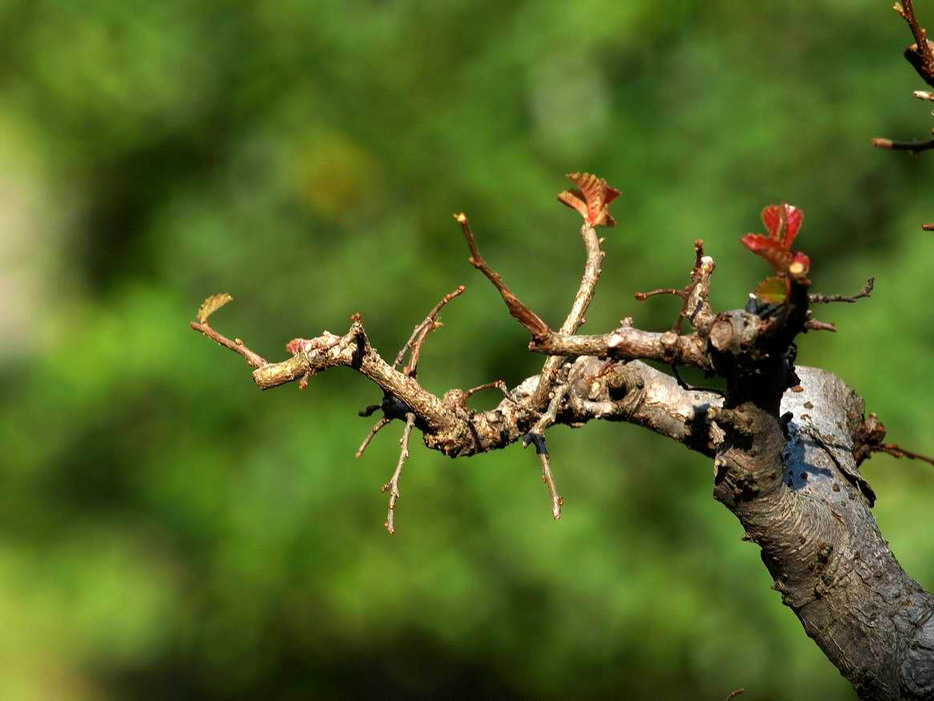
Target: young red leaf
770	249
591	198
782	221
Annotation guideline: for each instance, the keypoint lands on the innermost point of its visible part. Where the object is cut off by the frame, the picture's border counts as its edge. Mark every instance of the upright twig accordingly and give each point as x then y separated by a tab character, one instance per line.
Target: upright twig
421	331
575	318
919	54
525	316
695	304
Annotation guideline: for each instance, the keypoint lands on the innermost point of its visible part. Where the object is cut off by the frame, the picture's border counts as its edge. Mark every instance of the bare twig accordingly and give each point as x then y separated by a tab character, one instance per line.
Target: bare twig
919	54
695	306
392	486
736	692
815	325
495	384
927	227
525	316
910	146
898	452
421	331
575	317
537	436
827	299
377	427
236	345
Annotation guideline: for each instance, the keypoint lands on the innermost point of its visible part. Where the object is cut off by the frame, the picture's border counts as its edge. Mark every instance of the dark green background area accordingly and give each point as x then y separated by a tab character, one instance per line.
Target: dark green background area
169	532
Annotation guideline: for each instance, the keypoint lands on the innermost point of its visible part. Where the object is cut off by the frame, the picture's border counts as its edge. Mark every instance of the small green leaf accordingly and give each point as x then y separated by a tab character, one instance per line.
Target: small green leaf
772	290
211	305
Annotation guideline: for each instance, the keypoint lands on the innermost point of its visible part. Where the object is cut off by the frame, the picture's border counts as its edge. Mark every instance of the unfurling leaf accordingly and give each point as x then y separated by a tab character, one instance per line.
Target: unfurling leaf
211	305
782	221
591	198
772	290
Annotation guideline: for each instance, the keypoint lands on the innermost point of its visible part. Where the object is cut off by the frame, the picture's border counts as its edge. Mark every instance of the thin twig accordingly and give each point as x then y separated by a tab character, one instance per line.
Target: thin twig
898	452
377	427
392	486
815	325
827	299
537	436
694	296
421	331
911	146
495	384
575	317
927	227
525	316
736	692
925	64
236	345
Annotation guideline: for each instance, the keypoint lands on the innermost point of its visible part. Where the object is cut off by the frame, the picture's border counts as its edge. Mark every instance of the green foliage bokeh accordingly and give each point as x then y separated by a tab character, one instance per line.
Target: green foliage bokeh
167	531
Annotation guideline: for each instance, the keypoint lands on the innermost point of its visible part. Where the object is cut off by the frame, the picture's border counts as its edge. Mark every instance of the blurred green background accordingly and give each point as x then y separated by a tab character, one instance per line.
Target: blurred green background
169	532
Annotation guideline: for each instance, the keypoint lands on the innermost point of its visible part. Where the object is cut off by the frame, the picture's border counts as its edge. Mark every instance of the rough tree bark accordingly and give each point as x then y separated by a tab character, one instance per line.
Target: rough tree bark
786	441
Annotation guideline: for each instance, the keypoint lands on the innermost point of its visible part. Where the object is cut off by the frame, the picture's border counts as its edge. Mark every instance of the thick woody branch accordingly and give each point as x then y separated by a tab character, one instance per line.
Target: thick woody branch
627	342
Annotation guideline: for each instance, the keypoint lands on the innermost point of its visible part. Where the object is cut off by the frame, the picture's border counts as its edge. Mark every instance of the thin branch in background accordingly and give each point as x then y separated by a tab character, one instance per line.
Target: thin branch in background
392	486
421	331
920	54
928	227
828	299
525	316
912	147
898	452
736	692
377	427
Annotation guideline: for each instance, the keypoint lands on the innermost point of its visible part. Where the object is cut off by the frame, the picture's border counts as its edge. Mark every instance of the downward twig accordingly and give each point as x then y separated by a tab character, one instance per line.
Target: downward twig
536	436
392	486
377	427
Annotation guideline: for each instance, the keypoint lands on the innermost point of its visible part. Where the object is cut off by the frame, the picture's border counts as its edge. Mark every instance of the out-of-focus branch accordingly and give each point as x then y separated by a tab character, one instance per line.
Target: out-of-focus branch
912	147
920	54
